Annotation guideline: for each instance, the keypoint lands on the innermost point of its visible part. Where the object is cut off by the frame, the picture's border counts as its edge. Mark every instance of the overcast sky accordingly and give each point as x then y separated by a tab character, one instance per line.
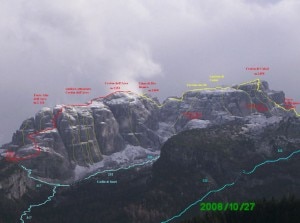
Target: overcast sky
46	46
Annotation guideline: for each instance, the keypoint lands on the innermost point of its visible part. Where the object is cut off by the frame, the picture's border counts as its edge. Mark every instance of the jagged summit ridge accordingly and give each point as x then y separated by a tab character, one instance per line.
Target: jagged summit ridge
80	135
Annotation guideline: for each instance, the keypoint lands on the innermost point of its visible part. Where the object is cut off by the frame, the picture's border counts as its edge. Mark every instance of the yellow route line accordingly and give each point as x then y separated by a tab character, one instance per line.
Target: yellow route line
180	99
69	121
277	105
23	137
258	88
129	115
87	146
43	116
89	138
223	105
197	89
79	139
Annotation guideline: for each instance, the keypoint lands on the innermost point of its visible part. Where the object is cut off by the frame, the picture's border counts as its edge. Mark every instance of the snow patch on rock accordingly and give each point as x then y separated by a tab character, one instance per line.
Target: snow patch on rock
129	156
196	124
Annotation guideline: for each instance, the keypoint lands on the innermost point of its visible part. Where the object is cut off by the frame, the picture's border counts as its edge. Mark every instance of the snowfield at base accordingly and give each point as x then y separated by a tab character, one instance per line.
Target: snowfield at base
129	156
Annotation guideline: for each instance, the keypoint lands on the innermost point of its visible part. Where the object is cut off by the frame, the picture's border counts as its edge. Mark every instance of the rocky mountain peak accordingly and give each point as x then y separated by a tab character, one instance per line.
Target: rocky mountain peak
55	141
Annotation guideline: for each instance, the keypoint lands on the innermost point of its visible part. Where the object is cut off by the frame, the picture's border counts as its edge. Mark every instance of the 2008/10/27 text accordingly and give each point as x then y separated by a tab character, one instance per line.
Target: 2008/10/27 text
208	206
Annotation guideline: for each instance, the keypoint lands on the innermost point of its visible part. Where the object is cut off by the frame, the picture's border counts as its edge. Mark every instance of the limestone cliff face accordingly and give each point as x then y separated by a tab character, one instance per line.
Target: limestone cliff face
107	131
82	134
137	118
76	127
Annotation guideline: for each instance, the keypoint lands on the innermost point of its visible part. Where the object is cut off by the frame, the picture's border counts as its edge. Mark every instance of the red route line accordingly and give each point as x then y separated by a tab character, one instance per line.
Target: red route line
11	156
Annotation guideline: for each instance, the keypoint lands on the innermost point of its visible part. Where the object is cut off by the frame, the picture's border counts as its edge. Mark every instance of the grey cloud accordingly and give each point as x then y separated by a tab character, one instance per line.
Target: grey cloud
49	45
